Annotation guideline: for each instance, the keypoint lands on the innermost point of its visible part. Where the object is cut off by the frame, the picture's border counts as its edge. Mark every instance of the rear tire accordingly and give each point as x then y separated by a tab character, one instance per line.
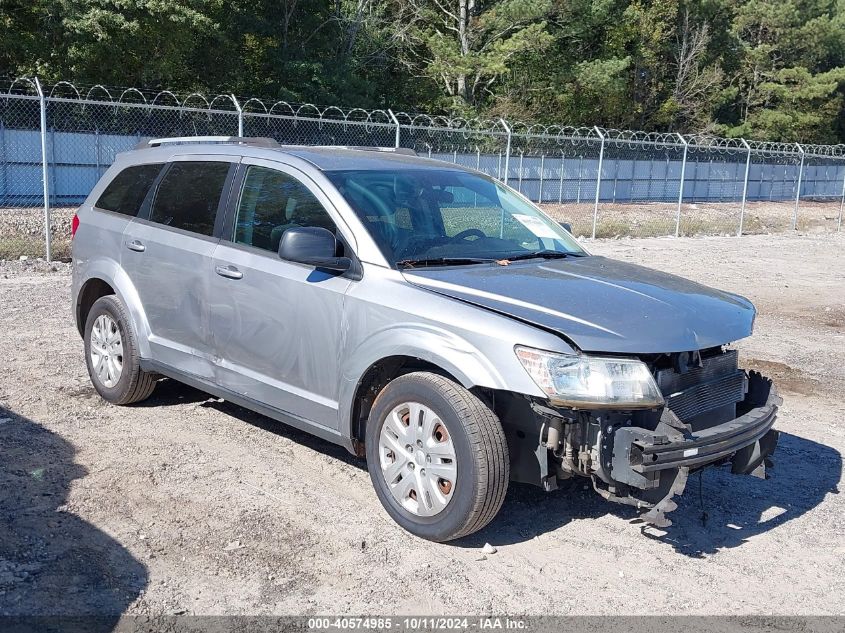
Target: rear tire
111	354
416	422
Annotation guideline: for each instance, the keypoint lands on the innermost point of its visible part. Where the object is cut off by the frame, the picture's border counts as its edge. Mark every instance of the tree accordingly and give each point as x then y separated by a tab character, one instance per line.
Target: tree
466	45
797	106
757	68
625	64
133	42
19	35
696	83
790	80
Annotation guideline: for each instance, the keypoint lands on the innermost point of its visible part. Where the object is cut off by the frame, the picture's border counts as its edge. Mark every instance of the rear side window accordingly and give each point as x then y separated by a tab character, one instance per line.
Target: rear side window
126	192
189	195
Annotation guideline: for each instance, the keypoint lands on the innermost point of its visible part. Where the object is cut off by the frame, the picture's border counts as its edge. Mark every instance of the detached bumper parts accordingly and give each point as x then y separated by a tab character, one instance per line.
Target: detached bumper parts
644	458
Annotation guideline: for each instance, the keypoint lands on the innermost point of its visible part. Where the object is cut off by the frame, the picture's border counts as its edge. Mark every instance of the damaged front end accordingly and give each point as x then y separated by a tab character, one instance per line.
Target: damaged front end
714	413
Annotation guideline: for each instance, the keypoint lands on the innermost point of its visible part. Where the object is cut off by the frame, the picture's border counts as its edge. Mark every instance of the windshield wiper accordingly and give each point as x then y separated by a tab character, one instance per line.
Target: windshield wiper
442	261
543	255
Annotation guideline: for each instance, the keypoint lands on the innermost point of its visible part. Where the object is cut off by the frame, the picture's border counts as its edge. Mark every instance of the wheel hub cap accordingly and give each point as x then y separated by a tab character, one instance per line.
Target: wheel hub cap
106	350
417	458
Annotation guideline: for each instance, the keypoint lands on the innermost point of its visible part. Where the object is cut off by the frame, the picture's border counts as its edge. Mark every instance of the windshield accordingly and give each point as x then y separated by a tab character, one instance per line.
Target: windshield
449	215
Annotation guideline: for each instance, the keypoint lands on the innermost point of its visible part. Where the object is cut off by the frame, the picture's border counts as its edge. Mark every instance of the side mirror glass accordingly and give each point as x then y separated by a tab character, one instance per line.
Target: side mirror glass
566	226
313	246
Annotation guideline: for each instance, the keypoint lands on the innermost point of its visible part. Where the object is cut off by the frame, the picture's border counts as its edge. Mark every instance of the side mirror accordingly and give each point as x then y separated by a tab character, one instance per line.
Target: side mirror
313	246
566	226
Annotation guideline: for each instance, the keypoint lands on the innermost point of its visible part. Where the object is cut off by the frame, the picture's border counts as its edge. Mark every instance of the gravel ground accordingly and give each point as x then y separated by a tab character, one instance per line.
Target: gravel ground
186	504
22	232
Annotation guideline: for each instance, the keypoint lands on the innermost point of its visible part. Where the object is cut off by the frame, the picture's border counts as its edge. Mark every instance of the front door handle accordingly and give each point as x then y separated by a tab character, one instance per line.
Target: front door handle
230	272
136	245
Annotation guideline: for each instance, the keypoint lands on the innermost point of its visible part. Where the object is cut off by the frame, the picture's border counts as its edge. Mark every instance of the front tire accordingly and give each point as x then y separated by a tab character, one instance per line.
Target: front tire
111	354
437	457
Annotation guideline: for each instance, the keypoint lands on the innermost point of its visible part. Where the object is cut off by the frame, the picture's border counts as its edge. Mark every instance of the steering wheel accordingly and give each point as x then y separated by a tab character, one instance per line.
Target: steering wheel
468	233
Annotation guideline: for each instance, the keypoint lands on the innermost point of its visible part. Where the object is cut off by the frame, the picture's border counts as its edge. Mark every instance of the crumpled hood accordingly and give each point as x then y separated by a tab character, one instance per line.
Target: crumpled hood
600	304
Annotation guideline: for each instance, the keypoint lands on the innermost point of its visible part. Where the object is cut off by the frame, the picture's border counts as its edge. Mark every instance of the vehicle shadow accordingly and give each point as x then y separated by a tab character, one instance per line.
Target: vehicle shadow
170	392
717	511
52	562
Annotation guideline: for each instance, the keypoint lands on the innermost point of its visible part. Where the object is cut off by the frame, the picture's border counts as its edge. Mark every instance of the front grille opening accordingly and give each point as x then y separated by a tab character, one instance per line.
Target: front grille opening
704	395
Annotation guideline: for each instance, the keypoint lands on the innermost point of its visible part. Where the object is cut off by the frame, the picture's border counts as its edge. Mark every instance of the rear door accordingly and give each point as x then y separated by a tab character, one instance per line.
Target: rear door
167	254
278	326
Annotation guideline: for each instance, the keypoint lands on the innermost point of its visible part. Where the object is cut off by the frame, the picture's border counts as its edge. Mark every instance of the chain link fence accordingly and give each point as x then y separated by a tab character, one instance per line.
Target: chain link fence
558	168
641	184
821	195
22	208
56	142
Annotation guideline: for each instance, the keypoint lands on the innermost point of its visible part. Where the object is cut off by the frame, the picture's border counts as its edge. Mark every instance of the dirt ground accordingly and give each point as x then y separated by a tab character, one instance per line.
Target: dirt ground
186	504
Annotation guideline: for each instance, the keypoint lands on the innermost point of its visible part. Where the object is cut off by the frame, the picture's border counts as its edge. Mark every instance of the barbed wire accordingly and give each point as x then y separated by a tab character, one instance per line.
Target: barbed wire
465	129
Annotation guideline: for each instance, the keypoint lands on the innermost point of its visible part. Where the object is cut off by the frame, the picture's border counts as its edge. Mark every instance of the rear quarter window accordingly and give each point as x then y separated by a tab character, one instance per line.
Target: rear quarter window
126	192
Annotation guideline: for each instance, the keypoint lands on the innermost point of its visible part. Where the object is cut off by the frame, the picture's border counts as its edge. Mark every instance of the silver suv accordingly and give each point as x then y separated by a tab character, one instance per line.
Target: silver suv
420	314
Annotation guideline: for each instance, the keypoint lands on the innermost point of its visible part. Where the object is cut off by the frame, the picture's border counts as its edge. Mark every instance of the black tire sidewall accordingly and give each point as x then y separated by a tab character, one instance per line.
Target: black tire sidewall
456	514
108	305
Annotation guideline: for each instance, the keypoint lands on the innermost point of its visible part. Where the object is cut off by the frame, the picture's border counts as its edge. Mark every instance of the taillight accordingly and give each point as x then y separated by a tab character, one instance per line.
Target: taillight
74	224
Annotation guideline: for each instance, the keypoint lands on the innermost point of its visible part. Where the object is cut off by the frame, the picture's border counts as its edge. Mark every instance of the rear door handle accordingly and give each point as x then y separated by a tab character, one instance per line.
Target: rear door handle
230	272
136	245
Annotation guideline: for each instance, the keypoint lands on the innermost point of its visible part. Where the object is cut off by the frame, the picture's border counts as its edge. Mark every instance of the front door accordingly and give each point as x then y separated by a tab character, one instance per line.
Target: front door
277	326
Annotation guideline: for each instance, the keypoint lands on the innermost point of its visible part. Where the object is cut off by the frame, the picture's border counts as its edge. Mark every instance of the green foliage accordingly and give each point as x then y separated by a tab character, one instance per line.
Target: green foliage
771	69
465	46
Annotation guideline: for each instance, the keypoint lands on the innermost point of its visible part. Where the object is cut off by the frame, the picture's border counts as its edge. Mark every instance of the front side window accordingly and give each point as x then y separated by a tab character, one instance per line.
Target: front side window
449	214
189	195
272	202
126	192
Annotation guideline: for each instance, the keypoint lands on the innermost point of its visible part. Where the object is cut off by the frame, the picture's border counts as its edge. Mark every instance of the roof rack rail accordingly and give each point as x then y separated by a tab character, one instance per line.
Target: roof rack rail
255	141
407	151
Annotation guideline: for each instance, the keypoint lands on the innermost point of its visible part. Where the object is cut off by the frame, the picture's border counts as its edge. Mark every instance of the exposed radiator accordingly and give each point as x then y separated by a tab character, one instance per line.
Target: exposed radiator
716	384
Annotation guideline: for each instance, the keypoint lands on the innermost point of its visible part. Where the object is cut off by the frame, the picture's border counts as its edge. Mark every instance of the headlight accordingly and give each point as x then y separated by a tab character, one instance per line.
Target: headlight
585	382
